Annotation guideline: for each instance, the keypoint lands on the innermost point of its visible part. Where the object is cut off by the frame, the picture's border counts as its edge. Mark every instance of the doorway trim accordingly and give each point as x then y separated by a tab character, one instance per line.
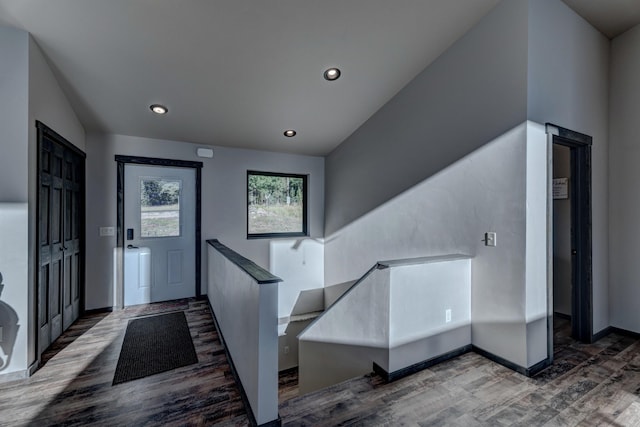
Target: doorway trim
581	217
152	161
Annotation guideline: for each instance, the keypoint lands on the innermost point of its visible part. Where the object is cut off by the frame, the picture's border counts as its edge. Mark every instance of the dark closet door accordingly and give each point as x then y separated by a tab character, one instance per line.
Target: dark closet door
61	219
71	238
51	250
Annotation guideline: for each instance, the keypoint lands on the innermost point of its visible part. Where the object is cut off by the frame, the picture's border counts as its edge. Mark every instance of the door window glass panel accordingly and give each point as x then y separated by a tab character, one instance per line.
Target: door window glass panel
160	207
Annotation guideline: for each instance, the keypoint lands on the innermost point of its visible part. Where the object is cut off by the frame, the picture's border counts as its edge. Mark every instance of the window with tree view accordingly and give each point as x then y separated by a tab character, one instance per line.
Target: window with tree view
159	207
277	204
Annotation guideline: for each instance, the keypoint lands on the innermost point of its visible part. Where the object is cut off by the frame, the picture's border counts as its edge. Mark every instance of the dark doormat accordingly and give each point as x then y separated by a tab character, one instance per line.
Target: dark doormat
155	344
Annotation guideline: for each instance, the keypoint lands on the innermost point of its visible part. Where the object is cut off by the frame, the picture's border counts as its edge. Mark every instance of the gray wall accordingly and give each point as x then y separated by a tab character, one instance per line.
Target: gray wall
14	104
29	91
447	214
568	76
625	175
499	74
562	235
223	199
472	93
14	192
48	104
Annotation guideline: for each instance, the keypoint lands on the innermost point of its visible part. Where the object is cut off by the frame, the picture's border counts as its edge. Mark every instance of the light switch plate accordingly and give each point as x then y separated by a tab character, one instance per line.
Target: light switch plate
107	231
490	238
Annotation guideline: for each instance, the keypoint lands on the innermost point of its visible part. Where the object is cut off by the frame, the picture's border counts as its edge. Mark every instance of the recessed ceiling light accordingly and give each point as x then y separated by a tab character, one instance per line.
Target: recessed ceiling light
159	109
289	133
332	74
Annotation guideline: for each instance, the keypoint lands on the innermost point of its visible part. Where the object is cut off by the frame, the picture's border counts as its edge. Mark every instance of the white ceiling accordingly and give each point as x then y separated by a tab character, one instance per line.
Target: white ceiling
240	72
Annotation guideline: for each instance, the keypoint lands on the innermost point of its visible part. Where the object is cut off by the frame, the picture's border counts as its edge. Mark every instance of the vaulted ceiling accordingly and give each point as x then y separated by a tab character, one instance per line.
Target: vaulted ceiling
241	72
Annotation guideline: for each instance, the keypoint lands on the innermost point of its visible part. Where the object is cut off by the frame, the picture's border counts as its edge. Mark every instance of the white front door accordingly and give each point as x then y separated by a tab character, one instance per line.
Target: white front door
160	214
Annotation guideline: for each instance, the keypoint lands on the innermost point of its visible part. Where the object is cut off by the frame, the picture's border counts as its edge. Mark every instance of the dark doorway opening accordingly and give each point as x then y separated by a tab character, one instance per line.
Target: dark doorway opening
572	234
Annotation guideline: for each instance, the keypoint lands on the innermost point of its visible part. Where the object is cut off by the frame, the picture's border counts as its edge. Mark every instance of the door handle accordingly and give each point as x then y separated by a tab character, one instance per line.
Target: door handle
63	248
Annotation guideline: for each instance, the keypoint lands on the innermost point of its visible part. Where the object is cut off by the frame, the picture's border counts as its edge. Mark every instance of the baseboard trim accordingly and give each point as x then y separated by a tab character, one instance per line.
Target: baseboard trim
606	331
562	315
529	372
98	310
243	395
33	368
613	329
417	367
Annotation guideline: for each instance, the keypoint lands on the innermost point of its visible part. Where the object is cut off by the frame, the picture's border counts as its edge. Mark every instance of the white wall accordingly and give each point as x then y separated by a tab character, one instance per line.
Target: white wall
624	209
449	213
472	93
568	77
13	293
300	265
537	243
14	178
536	59
224	202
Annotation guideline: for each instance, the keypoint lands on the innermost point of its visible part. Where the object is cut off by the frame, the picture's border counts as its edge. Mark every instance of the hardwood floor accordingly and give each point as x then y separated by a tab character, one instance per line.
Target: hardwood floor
589	384
288	384
74	385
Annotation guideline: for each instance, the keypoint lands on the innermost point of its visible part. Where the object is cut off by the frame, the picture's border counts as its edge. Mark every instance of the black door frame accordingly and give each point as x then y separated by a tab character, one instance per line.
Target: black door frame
581	239
44	131
152	161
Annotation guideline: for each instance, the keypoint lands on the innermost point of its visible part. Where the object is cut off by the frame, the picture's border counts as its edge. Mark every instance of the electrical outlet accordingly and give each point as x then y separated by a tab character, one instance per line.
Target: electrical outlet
447	315
286	349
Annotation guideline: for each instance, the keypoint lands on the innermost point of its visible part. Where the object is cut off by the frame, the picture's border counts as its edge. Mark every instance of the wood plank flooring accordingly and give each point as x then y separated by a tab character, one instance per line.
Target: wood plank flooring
596	384
589	384
74	385
288	384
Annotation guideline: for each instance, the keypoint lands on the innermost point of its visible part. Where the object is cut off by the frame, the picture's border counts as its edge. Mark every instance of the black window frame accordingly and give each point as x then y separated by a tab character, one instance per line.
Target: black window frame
305	204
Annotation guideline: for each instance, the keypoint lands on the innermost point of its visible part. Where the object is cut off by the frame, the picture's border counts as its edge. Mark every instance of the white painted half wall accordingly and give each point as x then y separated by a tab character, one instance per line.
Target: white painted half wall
247	315
224	199
300	265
